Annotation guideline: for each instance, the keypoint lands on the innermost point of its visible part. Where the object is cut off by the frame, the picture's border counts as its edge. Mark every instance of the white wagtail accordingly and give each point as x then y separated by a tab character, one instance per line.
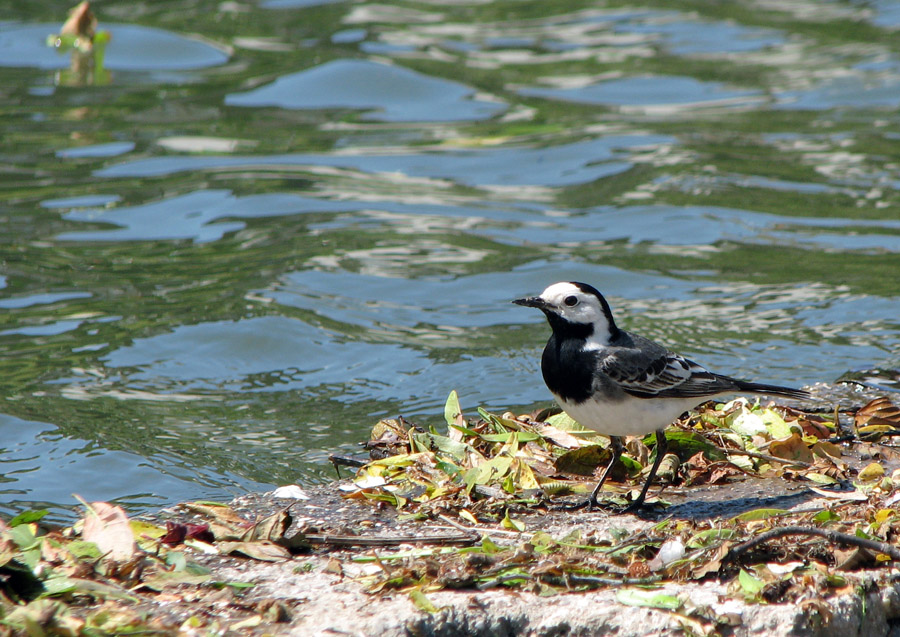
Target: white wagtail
619	383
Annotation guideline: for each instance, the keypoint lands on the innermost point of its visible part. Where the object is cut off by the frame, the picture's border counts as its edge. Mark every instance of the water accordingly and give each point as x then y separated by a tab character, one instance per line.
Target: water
265	227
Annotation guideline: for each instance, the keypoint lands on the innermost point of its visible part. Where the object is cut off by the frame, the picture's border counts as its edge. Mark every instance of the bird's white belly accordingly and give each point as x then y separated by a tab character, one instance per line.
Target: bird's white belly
628	417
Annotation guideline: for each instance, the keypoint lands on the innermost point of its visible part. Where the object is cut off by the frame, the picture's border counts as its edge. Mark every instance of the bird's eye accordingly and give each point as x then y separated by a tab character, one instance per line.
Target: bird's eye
571	301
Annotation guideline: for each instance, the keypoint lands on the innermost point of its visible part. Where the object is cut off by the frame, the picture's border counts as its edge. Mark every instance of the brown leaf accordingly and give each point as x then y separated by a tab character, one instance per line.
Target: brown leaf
702	470
176	533
792	448
263	551
877	417
815	426
583	461
559	437
271	528
107	526
81	21
852	559
713	563
224	522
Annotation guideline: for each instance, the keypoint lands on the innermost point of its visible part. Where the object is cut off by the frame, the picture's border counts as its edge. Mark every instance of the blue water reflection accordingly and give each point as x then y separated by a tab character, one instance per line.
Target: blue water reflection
560	165
388	93
132	48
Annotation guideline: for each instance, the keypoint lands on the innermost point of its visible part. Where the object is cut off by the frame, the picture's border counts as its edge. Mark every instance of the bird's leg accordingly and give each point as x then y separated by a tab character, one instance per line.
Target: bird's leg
661	446
616	446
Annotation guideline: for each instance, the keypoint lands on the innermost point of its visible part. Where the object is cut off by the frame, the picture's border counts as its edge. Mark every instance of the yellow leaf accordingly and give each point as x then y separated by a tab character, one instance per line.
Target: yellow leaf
465	515
514	525
792	448
871	473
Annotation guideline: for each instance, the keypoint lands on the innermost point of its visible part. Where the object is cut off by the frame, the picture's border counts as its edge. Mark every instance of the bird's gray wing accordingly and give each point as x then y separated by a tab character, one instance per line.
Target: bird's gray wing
647	370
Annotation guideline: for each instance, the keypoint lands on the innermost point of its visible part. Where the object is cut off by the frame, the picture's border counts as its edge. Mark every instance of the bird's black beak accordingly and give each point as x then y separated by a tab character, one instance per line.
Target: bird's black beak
532	301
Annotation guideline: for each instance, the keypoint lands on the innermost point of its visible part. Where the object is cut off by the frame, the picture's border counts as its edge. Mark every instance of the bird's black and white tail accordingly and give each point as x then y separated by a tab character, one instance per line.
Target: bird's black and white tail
774	390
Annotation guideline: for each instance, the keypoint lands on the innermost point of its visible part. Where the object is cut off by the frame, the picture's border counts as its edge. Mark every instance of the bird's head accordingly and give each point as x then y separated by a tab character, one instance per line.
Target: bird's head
577	309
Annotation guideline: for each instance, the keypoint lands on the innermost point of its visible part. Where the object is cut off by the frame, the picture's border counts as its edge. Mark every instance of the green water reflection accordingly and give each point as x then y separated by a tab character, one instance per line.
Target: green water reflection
220	292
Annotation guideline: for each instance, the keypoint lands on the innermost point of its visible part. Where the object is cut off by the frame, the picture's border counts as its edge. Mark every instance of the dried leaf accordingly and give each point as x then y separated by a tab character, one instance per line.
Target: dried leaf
559	437
583	461
855	495
81	21
873	471
271	528
263	551
107	526
792	448
224	522
876	418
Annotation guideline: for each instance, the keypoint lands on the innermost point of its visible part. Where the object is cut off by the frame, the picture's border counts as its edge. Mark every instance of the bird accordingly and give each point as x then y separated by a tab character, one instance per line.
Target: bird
619	383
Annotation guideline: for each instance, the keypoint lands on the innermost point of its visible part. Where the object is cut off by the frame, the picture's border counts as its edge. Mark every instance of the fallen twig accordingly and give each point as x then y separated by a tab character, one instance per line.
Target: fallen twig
386	540
763	456
832	536
570	579
477	532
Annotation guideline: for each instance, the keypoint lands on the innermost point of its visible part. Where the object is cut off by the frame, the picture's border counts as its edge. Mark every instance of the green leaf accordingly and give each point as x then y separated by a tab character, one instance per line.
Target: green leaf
523	436
23	536
689	443
826	516
509	523
651	599
84	550
759	514
750	584
494	469
61	584
708	537
819	478
488	546
748	424
775	424
500	424
565	422
433	442
452	410
58	584
420	601
465	430
27	517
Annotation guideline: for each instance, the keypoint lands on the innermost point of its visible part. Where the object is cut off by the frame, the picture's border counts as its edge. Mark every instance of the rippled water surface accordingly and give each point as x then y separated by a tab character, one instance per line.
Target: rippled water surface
262	226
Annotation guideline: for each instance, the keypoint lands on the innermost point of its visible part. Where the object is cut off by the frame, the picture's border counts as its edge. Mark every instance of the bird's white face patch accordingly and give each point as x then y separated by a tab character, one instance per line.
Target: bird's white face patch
577	306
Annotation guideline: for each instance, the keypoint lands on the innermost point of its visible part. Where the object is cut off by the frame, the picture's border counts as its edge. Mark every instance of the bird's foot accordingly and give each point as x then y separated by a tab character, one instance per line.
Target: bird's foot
576	506
589	504
614	508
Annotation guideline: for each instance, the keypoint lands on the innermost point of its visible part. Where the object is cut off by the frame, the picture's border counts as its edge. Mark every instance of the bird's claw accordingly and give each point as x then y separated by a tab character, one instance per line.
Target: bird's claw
596	505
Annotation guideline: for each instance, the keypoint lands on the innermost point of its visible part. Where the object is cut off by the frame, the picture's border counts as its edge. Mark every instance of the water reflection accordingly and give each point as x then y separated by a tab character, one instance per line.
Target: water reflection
131	48
230	262
657	94
396	94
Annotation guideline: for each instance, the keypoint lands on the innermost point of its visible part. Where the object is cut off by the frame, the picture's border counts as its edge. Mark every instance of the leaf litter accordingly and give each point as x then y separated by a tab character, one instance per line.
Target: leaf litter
472	505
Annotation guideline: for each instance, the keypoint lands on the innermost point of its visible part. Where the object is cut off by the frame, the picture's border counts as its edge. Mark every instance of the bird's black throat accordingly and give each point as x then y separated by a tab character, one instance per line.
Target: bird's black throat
567	367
